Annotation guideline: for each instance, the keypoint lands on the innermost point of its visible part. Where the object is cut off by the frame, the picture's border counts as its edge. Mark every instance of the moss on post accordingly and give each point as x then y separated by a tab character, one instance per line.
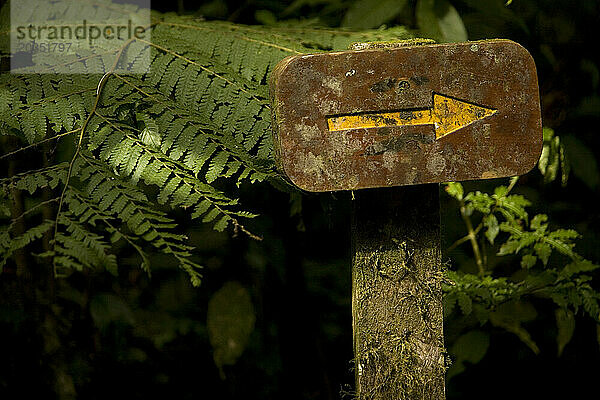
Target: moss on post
396	294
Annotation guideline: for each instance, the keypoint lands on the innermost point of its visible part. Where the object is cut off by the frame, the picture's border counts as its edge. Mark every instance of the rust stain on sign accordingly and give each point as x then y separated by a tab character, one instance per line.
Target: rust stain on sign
407	115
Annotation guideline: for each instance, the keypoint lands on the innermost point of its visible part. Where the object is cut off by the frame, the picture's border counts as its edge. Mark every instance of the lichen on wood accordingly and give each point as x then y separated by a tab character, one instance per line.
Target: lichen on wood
396	294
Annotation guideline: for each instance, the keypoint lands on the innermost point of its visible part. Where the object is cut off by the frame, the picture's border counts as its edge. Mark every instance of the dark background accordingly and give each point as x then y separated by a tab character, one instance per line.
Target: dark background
135	337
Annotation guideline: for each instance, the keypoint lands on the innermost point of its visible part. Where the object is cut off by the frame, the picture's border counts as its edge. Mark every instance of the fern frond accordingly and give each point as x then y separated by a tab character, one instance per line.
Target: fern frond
200	117
36	179
133	223
82	248
45	103
10	244
178	185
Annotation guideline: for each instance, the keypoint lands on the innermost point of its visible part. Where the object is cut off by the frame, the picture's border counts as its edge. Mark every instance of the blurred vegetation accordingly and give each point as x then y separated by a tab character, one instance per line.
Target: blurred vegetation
272	317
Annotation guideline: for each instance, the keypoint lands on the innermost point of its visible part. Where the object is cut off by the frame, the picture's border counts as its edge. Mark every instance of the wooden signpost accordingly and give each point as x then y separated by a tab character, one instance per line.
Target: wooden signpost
382	118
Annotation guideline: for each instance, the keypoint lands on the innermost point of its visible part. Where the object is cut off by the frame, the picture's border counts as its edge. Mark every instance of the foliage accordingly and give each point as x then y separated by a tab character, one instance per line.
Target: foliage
366	14
196	122
553	158
504	301
440	20
230	321
131	158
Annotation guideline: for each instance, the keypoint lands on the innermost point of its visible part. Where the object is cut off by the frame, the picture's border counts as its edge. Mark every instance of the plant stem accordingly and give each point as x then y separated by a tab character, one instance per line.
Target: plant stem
48	214
472	235
17	208
464	238
511	185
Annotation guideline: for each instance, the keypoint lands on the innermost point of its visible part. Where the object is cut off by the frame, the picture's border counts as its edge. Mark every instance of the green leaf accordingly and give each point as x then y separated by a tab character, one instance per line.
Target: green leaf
439	20
509	316
538	221
222	223
492	228
528	261
554	157
509	247
481	313
565	166
149	134
543	251
216	166
8	245
450	300
107	308
582	161
515	204
565	322
211	215
213	9
365	14
455	189
576	267
230	321
470	347
479	201
465	303
265	17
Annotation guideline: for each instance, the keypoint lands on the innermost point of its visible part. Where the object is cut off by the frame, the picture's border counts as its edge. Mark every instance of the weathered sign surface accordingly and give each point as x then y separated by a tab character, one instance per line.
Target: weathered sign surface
405	116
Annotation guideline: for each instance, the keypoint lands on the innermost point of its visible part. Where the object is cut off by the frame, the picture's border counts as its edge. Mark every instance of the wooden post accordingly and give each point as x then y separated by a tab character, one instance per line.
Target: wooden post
396	294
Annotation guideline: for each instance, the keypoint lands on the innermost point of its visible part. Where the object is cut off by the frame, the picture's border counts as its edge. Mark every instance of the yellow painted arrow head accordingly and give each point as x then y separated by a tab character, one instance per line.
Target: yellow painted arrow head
450	114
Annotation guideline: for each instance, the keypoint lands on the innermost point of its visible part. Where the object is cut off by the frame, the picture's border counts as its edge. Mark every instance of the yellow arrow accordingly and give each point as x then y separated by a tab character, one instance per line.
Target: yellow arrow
447	115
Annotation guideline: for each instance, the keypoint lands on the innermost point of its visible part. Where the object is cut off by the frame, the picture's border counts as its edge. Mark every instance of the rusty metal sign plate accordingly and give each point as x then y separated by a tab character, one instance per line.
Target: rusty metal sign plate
405	116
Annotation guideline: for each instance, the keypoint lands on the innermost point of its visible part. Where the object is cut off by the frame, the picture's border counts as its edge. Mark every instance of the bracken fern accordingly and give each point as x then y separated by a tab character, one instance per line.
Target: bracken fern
199	118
